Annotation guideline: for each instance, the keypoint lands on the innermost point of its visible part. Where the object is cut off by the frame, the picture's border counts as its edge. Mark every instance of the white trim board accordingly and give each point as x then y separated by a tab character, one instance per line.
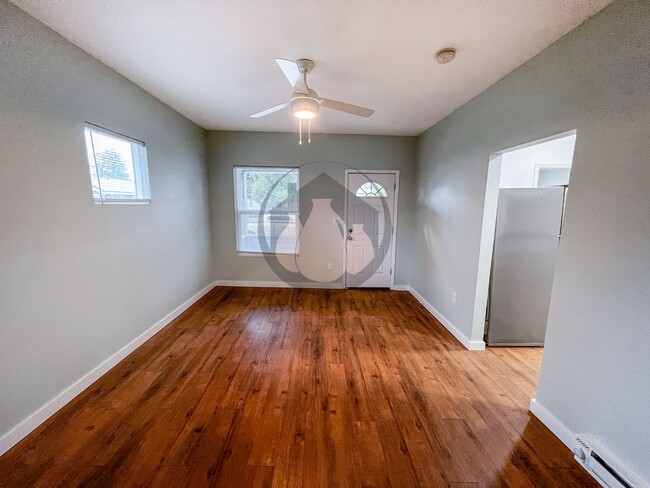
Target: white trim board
462	338
567	437
278	284
282	284
26	426
400	288
558	429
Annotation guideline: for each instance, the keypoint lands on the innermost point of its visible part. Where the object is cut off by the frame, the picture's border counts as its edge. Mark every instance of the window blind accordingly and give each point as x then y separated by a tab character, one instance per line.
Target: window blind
266	206
118	167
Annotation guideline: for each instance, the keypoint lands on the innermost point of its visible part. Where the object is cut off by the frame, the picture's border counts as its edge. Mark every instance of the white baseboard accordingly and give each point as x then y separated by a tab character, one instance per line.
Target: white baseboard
567	437
11	438
400	288
279	284
464	340
16	434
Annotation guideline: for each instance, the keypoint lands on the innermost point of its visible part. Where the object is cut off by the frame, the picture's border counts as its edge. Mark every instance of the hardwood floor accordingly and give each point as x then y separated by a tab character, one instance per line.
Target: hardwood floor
314	388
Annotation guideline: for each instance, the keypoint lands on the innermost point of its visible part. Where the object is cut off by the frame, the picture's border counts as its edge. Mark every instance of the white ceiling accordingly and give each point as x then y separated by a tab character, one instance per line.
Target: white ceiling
213	61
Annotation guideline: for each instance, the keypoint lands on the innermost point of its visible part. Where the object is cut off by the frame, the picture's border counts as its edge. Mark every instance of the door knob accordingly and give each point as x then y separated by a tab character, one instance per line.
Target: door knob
349	238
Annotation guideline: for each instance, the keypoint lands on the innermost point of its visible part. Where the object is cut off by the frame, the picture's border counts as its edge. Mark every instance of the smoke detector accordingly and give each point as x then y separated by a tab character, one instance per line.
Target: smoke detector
446	55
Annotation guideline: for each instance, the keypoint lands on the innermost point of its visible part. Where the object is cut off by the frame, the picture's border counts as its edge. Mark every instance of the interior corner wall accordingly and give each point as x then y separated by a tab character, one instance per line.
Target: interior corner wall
79	281
595	376
227	149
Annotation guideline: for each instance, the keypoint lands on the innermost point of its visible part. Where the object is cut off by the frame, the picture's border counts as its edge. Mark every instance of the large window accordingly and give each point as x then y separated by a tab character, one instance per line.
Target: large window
118	167
266	203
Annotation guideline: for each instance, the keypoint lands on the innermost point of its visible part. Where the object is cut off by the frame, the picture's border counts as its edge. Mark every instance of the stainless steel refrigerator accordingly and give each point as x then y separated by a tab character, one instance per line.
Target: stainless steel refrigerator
529	221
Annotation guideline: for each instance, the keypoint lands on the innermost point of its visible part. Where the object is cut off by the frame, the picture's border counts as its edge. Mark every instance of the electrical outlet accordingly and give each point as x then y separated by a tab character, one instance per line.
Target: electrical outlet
329	266
453	297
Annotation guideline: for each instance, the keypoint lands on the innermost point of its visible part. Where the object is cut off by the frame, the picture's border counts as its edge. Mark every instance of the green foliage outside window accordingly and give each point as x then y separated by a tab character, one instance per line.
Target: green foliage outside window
282	196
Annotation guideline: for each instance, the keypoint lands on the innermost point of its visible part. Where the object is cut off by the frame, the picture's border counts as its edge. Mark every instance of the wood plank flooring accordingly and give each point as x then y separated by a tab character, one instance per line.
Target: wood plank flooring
312	388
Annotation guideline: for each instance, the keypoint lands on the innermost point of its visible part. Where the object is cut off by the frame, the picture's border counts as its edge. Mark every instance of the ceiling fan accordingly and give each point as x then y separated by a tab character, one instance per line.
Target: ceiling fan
305	102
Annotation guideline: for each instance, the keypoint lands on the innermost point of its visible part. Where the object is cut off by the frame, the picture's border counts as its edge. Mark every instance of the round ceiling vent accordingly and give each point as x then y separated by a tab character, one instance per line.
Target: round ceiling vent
446	55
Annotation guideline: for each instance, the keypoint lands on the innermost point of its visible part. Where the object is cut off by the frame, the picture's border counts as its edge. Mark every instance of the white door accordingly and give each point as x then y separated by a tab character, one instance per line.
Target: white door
370	226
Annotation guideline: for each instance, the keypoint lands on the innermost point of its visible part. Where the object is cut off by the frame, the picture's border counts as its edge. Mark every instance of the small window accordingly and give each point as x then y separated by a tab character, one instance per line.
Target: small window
118	167
371	189
266	203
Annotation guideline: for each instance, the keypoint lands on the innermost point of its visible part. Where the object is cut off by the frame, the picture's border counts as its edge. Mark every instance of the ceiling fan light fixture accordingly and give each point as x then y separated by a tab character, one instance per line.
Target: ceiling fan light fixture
305	107
304	114
305	102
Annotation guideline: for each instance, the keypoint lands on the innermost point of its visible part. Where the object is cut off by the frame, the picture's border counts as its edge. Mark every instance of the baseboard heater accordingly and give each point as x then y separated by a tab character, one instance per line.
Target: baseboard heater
602	465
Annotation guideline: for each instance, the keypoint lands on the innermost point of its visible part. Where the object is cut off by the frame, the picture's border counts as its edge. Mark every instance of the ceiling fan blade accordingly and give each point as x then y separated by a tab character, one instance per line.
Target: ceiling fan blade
346	107
269	110
293	74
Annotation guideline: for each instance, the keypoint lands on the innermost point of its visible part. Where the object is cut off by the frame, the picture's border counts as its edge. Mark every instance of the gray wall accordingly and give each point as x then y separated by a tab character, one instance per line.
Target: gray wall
77	280
596	372
226	149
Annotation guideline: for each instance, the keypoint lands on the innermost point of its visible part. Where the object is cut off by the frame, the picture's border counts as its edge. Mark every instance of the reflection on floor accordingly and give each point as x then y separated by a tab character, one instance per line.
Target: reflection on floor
314	388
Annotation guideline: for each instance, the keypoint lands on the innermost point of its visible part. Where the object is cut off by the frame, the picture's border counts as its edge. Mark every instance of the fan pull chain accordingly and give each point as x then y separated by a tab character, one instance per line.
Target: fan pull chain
300	132
308	131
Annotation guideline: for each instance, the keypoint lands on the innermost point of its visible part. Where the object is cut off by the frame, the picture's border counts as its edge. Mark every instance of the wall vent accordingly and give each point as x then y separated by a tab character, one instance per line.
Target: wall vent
602	465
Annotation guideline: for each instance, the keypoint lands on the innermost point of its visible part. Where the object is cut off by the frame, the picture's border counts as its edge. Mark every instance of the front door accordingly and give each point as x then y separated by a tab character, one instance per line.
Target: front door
370	216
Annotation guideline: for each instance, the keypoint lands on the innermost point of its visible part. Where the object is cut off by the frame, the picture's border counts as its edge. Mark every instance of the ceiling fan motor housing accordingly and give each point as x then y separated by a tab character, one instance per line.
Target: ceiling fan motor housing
305	65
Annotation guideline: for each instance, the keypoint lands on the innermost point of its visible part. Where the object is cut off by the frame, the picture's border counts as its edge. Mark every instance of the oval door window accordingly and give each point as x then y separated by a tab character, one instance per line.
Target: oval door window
371	189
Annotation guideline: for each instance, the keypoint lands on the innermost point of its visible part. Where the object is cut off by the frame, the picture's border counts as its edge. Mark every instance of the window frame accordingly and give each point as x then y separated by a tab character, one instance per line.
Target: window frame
94	176
239	213
372	184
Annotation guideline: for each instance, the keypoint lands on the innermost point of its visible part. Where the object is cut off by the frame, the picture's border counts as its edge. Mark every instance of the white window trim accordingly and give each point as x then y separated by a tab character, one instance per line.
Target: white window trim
256	212
371	195
110	133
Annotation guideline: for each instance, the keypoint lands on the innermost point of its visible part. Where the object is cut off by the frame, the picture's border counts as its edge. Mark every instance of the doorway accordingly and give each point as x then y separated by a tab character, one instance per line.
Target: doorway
523	265
524	208
371	222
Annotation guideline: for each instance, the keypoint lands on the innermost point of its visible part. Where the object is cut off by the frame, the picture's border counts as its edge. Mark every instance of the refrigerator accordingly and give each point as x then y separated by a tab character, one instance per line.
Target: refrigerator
527	236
